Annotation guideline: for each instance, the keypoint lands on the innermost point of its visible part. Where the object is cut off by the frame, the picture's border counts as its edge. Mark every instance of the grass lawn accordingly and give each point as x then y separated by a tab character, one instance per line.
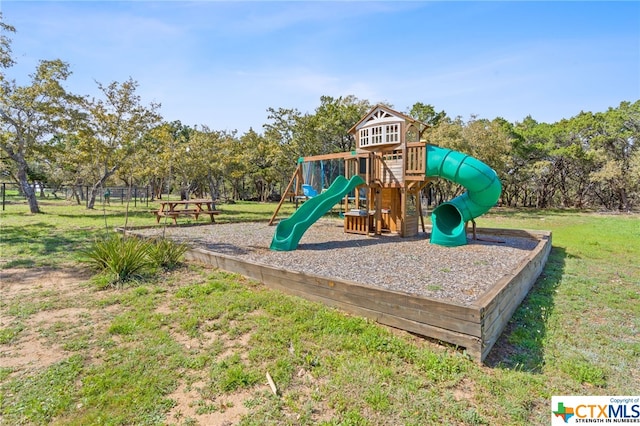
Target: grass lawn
194	345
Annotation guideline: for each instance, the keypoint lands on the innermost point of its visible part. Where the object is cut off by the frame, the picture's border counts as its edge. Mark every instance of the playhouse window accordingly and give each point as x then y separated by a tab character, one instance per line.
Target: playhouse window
364	137
379	135
392	133
376	135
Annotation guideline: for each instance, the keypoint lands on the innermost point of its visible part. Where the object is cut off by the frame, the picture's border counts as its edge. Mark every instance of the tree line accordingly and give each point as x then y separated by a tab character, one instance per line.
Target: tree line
55	138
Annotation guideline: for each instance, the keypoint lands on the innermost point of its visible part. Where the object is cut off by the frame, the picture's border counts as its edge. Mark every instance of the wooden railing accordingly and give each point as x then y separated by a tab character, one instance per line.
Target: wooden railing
387	168
416	158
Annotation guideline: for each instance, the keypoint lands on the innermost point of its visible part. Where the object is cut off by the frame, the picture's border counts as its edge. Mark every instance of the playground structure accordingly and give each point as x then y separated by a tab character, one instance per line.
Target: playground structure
377	187
381	182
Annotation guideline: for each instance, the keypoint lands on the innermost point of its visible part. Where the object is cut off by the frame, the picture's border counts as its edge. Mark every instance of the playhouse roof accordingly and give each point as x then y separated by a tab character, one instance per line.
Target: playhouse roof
380	107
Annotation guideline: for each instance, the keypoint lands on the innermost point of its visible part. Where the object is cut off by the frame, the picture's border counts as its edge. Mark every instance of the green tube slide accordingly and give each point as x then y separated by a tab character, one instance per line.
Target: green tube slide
289	231
483	191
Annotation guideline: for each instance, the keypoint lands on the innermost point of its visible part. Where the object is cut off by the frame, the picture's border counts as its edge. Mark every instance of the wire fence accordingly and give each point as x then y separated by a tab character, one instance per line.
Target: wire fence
10	193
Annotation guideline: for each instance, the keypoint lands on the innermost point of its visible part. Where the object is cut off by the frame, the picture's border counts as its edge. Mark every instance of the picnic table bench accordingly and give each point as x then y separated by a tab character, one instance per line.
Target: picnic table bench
194	208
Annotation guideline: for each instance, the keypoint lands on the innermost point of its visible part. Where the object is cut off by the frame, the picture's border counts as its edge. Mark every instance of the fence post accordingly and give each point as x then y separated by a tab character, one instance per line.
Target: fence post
4	191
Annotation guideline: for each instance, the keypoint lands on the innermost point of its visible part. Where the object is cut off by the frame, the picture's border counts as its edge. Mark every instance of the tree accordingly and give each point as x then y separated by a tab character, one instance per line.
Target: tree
301	135
281	132
62	166
572	162
427	114
260	156
156	156
488	142
447	134
31	115
333	119
541	161
115	130
6	59
515	176
613	136
177	141
235	167
211	158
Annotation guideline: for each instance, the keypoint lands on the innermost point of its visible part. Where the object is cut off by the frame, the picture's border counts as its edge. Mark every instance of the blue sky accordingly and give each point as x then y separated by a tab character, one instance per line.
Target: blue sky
223	63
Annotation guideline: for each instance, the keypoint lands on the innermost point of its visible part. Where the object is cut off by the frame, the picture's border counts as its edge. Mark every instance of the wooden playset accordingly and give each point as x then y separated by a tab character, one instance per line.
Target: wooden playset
390	159
384	176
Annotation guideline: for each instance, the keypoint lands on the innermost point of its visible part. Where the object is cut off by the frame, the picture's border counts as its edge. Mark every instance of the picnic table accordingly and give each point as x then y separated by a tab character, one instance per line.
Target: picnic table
194	208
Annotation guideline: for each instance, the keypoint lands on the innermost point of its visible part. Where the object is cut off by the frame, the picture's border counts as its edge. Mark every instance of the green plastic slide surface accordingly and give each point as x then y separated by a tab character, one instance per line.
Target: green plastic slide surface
483	191
289	231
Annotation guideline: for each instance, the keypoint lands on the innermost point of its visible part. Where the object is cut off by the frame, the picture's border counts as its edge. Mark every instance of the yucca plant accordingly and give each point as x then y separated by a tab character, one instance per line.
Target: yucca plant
120	258
167	254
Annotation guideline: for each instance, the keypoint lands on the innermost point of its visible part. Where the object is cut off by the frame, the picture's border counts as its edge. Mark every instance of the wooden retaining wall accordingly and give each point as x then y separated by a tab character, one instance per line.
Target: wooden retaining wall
497	305
475	327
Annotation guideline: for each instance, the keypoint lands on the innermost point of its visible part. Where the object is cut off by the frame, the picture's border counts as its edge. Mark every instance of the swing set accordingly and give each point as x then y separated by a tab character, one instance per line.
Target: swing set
313	175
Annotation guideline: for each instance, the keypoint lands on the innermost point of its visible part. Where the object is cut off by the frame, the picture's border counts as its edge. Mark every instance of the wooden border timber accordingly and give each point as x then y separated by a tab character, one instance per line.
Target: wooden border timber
499	303
475	327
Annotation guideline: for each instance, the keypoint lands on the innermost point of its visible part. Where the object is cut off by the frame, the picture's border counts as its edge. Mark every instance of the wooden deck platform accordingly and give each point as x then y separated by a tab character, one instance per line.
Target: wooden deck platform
476	327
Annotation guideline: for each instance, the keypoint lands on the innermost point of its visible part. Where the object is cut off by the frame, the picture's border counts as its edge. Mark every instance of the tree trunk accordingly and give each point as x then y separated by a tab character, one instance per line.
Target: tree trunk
99	184
76	195
214	186
27	190
624	201
92	196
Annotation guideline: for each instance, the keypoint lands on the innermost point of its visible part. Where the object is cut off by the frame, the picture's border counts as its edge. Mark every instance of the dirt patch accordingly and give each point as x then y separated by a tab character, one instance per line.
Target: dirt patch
223	411
49	308
30	352
15	281
24	289
464	391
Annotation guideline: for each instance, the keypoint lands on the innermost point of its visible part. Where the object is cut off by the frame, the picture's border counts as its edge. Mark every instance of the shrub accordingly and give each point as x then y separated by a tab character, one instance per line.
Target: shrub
166	253
120	258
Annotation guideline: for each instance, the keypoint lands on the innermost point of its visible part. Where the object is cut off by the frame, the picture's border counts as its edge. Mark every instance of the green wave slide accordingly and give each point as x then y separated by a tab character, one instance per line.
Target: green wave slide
483	191
290	230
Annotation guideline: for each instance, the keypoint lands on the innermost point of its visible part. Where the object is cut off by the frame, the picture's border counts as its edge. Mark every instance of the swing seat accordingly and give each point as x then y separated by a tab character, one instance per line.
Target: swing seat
308	191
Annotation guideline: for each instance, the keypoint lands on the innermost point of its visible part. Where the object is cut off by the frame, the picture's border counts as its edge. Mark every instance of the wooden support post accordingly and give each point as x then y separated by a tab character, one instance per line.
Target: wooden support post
378	214
419	200
283	196
419	195
403	211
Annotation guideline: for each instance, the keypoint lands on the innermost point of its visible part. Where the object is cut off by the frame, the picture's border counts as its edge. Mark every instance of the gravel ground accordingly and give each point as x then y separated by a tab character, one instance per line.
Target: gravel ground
410	265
